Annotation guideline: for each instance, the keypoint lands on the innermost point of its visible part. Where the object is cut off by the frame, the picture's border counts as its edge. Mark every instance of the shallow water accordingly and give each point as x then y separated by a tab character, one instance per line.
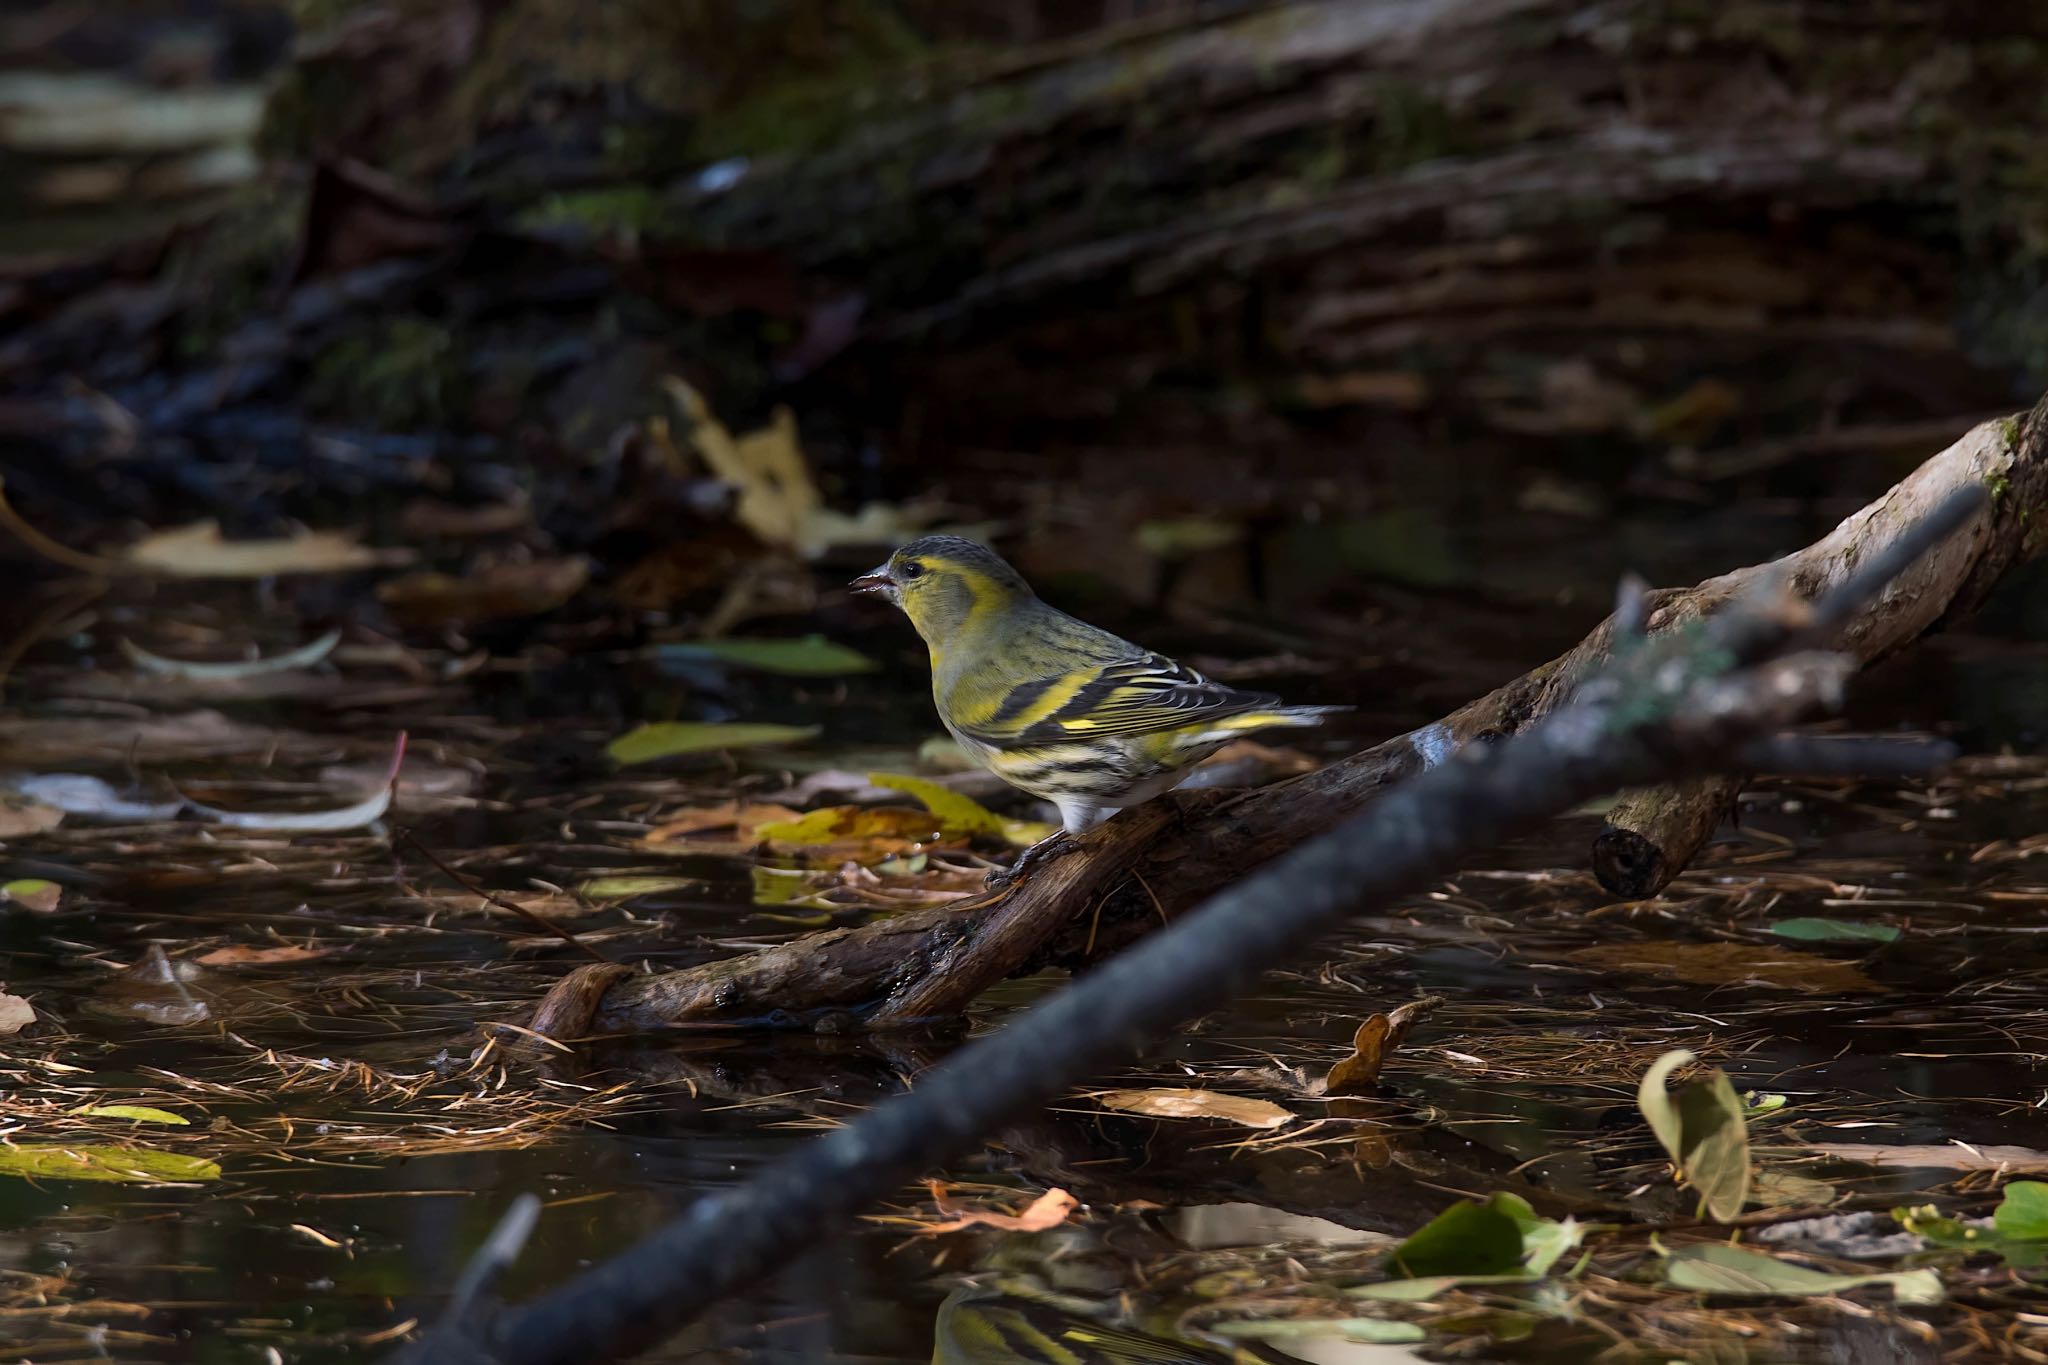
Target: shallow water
365	1150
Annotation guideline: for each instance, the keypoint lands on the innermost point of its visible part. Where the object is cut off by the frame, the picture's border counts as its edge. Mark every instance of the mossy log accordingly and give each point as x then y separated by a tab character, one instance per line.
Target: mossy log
1150	863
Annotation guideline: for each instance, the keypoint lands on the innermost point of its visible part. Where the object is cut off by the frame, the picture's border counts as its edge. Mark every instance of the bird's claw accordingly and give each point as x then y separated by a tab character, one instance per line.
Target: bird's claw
1044	851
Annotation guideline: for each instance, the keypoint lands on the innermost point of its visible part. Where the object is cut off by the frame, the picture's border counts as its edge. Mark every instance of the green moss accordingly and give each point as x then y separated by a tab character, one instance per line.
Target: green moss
401	374
230	270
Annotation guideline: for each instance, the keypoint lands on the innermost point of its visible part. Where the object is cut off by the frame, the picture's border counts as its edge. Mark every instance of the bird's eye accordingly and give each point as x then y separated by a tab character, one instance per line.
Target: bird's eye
911	569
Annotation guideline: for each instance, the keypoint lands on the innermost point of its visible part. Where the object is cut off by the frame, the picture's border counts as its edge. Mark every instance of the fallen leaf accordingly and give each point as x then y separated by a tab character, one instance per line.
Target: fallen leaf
1933	1156
1465	1239
1812	930
16	1014
1376	1038
778	499
94	798
303	657
1787	1189
619	888
242	955
1297	1329
21	816
139	1113
1186	1103
1705	1131
197	551
497	592
960	813
811	657
32	893
866	832
367	811
1727	964
133	1165
741	819
1717	1268
668	739
1049	1210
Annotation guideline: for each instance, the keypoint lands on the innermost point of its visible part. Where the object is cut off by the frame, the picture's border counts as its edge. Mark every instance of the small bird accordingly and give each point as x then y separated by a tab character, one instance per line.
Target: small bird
1052	705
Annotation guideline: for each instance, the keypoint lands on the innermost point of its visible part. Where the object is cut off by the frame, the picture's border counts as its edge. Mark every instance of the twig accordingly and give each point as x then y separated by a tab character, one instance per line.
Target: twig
407	837
52	550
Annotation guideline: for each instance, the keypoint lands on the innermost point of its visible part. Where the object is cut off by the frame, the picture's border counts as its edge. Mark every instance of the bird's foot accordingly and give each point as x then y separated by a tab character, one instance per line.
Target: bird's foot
1046	850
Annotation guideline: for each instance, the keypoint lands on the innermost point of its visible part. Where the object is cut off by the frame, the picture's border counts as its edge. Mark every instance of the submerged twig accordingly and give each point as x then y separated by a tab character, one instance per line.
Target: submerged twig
470	885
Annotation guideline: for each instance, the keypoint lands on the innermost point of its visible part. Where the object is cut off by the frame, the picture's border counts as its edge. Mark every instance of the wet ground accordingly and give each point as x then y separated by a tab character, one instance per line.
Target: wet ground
303	1004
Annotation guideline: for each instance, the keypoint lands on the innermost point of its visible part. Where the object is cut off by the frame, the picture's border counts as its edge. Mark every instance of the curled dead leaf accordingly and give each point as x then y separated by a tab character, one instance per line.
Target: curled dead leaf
1049	1210
1375	1040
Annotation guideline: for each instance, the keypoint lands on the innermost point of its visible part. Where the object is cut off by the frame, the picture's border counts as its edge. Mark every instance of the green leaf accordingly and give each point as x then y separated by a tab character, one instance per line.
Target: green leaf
1353	1329
779	886
33	893
1427	1287
814	656
667	739
2023	1214
1812	930
1718	1268
1704	1131
139	1113
2015	1231
51	1161
619	888
1466	1239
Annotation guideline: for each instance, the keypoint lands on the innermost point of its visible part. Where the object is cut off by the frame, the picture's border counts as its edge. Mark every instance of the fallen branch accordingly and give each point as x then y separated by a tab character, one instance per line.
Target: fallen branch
1155	861
1686	702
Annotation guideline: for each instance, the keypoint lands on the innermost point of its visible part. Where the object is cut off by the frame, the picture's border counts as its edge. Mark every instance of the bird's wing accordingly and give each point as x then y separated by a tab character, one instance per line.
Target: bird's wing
1143	694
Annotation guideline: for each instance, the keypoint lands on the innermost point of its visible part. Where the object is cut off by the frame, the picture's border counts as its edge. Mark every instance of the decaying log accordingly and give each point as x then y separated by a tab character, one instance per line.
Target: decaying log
1149	864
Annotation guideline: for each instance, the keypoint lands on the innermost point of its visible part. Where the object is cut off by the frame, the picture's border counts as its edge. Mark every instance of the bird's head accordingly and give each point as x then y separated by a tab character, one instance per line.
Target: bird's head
944	584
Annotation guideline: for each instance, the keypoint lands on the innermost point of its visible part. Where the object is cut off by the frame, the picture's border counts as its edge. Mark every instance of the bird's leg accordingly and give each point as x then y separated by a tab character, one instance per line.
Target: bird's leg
1051	848
1076	817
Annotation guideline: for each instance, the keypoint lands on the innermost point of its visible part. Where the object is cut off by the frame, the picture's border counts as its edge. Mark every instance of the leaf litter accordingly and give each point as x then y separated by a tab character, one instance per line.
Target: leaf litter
339	1033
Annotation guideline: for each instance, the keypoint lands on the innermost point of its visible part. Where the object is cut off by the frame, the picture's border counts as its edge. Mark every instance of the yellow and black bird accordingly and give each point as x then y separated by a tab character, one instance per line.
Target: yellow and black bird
1050	704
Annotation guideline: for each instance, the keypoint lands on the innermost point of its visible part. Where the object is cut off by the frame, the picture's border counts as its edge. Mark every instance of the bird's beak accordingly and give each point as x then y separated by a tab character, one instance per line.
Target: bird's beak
875	583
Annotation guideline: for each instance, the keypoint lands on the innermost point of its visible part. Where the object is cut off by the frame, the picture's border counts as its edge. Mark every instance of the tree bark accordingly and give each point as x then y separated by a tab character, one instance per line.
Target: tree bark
1151	863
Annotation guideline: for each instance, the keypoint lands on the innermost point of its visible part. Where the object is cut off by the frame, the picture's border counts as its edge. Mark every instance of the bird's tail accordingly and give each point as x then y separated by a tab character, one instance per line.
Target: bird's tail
1275	718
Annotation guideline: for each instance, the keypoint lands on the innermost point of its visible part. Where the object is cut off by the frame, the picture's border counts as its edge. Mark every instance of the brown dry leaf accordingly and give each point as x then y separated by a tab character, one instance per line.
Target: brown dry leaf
1187	1103
197	551
1049	1210
1953	1156
20	816
16	1014
242	955
1375	1040
1727	964
428	518
494	593
742	820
